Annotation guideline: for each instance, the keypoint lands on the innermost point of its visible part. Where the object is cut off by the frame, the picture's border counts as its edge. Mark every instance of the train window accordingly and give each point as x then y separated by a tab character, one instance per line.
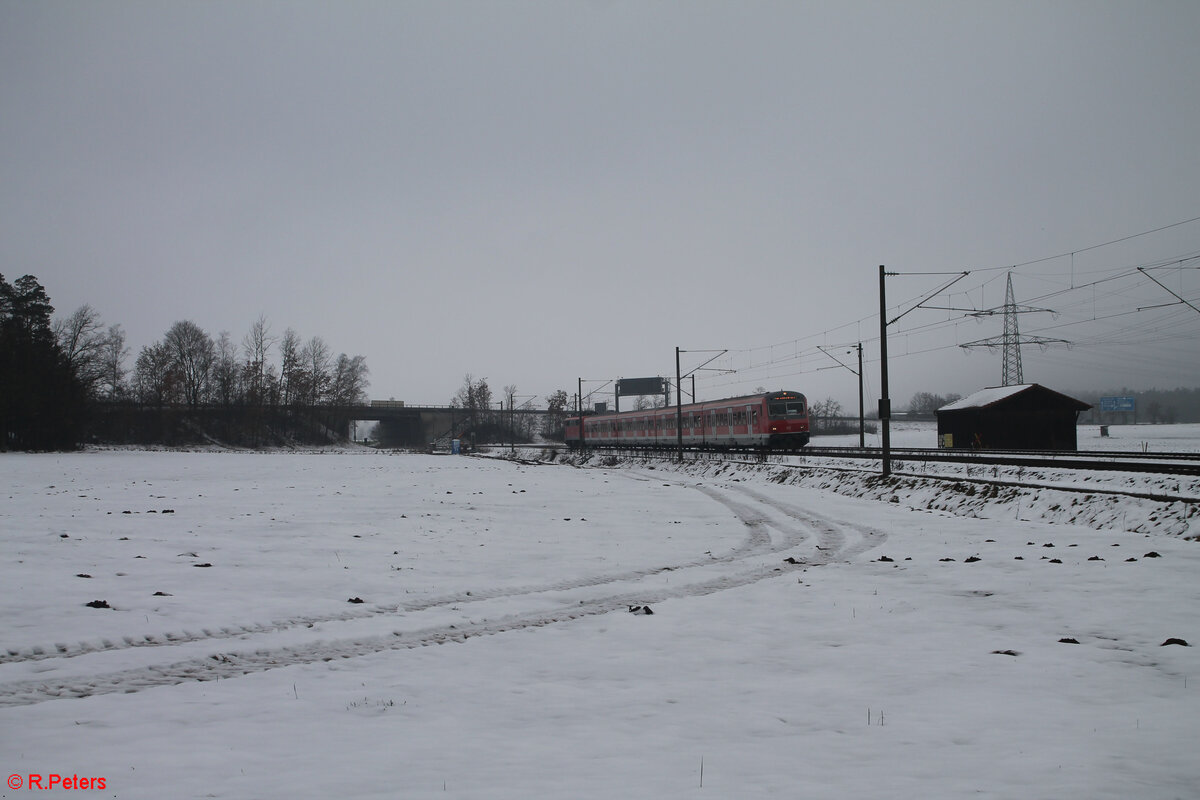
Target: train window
791	408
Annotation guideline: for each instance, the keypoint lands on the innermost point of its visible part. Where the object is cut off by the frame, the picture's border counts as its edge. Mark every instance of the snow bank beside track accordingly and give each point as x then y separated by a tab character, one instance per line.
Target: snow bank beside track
1101	501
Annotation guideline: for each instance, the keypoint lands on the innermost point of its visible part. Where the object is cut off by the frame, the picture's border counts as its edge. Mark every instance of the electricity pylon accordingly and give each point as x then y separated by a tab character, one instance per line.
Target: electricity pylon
1010	342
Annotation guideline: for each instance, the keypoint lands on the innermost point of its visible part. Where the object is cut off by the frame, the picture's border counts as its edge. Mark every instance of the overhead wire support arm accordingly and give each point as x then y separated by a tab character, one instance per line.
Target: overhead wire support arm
719	353
1160	283
835	358
934	293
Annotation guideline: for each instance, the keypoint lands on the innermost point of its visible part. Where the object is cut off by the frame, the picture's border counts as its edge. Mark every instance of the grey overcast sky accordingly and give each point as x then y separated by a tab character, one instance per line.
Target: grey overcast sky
535	192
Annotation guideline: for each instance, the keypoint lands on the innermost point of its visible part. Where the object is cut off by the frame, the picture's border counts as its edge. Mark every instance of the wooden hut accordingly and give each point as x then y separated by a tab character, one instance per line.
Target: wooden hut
1023	417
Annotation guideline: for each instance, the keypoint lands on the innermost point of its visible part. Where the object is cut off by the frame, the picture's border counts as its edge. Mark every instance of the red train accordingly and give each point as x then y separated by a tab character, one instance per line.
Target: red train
777	420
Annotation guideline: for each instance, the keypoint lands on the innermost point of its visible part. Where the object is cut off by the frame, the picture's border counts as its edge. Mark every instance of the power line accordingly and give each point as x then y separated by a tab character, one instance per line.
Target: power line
1093	247
1112	294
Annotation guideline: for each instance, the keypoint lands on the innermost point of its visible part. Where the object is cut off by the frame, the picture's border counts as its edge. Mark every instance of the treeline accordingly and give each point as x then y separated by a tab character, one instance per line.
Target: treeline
43	396
66	381
489	418
189	367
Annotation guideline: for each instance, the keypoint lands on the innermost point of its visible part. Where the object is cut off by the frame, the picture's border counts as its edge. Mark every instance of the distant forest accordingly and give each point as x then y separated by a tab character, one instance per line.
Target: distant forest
66	381
1154	406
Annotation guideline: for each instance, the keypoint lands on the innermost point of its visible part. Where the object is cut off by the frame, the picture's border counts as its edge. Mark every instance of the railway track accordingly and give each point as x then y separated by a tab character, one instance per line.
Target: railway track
1155	463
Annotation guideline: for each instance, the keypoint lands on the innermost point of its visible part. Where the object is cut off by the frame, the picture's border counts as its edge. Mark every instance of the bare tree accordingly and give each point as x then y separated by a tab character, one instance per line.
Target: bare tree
822	413
481	398
289	365
349	383
192	354
225	371
112	361
474	397
925	403
256	346
80	336
527	423
315	362
556	404
155	380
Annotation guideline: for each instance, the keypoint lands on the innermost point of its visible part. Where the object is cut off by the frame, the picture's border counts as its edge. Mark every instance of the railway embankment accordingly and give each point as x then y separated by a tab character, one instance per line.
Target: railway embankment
1134	503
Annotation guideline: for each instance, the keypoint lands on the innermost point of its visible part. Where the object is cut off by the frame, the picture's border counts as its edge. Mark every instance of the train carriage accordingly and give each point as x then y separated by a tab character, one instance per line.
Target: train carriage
777	420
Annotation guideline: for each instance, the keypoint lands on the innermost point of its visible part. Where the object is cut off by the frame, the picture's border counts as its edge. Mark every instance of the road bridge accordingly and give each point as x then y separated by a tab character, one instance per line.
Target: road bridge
403	425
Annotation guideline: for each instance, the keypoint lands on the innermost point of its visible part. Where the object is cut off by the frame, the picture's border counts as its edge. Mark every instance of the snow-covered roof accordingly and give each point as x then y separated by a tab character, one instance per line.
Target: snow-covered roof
994	394
985	397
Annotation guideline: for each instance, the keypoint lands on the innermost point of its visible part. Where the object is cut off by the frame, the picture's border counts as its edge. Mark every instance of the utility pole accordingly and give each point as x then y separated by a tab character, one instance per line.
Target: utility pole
862	422
862	425
679	390
885	402
678	406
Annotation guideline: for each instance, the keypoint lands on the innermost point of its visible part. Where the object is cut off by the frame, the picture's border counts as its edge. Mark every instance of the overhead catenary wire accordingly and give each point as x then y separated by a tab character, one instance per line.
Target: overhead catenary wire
1107	300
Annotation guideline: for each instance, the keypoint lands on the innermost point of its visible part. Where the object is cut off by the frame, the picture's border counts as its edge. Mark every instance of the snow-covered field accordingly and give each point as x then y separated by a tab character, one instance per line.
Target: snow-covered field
913	651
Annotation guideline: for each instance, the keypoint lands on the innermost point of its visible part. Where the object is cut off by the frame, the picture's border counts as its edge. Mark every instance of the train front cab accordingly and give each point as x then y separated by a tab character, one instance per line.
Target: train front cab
571	429
787	420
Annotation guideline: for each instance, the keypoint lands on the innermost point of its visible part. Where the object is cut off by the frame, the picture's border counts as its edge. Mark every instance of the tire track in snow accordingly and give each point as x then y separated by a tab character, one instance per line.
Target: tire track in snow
757	541
831	532
760	514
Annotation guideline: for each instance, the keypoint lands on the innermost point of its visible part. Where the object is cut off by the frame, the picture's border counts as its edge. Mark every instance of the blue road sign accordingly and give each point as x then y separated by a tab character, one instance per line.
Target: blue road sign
1117	404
